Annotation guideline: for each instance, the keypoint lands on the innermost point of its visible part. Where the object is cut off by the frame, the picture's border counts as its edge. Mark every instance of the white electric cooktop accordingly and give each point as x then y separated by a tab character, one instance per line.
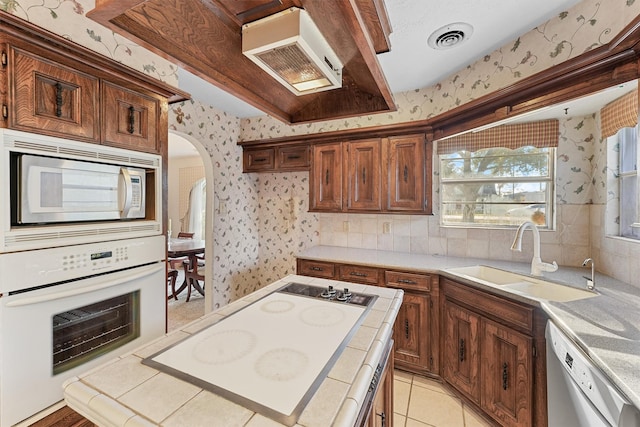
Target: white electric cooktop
270	356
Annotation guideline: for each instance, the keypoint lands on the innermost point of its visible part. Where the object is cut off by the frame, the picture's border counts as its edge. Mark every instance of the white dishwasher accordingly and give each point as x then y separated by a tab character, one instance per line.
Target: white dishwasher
578	394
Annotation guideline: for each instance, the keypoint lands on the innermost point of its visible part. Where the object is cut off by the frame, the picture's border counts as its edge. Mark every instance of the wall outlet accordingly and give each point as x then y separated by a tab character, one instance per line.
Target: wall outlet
386	227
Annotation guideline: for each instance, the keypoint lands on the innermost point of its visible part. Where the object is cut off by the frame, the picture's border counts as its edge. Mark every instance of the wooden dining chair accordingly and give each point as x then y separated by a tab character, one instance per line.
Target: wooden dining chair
172	277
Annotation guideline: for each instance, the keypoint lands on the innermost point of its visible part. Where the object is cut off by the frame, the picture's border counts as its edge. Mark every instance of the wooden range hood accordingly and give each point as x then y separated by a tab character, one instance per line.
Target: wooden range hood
205	38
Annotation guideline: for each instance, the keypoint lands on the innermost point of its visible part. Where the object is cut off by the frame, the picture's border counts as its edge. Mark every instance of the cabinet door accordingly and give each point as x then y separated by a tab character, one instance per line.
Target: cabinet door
406	173
507	375
49	98
326	178
411	332
461	350
130	119
363	184
382	408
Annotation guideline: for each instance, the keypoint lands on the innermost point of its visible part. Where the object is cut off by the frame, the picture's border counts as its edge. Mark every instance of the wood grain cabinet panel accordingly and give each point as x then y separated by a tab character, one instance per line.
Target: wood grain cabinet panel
326	178
130	119
507	376
411	332
406	173
325	270
258	160
293	158
363	183
461	356
359	274
50	98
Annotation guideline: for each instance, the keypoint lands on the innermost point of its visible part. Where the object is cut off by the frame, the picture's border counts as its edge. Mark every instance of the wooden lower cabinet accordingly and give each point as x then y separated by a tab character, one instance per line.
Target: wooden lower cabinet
506	372
494	354
461	347
381	414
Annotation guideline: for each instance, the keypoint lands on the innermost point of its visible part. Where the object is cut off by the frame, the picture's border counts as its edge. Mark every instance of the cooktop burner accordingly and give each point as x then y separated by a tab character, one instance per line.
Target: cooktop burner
329	293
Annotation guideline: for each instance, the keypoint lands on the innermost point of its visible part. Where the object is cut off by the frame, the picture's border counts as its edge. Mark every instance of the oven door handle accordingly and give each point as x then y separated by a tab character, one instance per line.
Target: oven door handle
142	272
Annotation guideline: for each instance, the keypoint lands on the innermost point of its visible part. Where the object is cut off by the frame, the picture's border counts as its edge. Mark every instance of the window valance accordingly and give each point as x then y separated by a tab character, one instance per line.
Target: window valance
618	114
544	133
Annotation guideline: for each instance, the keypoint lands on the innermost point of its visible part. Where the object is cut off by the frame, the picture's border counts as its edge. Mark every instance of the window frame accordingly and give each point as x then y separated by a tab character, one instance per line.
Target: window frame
550	198
622	174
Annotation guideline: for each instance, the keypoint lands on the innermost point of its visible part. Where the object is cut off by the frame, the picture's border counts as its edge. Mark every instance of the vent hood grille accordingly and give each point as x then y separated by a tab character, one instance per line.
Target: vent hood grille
289	47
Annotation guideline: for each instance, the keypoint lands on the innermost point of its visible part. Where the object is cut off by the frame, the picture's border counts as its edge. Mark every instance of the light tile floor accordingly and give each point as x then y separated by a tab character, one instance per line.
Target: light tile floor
420	402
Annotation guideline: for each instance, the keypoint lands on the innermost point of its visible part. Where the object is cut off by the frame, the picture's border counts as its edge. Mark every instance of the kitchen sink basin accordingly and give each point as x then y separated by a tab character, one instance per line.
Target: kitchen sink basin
491	275
521	284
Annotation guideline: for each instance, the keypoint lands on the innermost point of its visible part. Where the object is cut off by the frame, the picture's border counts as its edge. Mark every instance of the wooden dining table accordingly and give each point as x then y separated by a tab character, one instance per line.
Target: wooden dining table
190	248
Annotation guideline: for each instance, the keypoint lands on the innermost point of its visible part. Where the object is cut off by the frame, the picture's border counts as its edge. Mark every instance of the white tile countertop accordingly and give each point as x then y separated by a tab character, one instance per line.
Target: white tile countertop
606	327
127	393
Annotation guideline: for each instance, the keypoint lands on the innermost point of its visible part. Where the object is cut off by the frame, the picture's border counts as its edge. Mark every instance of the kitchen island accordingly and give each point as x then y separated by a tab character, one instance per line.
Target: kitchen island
131	391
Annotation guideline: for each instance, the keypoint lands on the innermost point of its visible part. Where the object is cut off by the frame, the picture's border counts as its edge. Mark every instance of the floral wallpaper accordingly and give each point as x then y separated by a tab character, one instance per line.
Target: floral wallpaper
235	229
286	228
586	26
67	18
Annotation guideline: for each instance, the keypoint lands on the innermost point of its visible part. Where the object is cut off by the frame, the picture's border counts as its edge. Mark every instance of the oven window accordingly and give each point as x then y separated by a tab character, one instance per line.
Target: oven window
85	333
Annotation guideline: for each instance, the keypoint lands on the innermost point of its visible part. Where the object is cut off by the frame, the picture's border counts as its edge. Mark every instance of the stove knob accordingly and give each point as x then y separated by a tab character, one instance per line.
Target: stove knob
346	293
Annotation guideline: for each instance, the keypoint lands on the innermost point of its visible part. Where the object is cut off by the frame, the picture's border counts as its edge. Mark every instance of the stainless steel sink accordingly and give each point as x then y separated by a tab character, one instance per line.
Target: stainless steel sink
522	284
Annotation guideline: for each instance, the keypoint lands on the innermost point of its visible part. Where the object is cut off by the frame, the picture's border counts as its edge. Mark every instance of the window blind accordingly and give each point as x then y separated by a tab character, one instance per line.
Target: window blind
544	133
618	114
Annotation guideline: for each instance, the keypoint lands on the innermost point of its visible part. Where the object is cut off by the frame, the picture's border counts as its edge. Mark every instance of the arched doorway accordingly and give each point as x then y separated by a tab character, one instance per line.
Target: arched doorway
188	157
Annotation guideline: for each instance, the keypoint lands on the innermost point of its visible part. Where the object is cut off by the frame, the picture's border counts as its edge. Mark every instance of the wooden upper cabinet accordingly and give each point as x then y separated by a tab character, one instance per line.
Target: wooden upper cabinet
129	119
406	173
47	97
326	178
363	183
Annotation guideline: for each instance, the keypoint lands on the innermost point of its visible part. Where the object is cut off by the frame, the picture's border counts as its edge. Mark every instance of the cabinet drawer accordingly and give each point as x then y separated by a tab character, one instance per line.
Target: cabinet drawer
501	309
322	269
259	160
411	281
293	158
359	274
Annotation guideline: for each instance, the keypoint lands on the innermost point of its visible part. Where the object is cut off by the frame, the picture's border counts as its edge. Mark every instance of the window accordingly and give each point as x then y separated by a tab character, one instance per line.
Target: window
497	187
628	182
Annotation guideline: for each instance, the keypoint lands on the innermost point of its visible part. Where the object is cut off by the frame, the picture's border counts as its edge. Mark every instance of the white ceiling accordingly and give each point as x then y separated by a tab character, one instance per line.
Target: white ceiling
411	63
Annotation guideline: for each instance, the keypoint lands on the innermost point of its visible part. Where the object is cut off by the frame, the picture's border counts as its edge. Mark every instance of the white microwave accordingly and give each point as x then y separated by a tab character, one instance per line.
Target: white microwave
53	190
58	192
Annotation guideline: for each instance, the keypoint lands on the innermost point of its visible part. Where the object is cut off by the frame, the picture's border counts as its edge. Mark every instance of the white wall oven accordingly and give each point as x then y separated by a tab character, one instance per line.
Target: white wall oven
64	310
57	192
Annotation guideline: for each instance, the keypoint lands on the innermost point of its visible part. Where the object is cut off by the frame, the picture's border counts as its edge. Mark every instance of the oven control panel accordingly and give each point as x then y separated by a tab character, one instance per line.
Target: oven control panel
48	266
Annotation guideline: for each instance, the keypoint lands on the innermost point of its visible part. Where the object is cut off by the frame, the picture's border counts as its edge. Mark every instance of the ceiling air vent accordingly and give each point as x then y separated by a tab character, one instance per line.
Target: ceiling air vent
450	35
289	47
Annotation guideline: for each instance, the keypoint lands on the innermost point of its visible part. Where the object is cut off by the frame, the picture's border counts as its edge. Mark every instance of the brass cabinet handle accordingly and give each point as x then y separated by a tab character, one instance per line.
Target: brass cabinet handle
132	119
505	376
406	281
358	274
406	328
461	350
326	177
58	99
406	173
314	268
364	175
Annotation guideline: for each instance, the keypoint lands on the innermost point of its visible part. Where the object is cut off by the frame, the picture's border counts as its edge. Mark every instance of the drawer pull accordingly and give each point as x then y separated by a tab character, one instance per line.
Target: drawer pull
58	99
461	350
505	376
406	328
314	268
132	119
406	173
407	281
364	175
260	160
292	157
383	419
326	177
358	274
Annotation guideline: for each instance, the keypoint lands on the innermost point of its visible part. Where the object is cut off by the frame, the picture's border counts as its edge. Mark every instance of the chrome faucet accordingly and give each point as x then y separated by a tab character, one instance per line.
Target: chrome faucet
537	266
591	282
